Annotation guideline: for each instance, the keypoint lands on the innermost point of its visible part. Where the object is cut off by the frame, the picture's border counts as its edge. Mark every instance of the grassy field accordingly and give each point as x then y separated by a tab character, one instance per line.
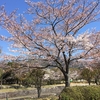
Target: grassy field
46	86
5	90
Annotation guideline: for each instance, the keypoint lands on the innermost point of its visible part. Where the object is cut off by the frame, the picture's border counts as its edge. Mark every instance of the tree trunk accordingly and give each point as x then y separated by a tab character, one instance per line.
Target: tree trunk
1	83
66	76
38	91
89	82
66	71
96	81
67	80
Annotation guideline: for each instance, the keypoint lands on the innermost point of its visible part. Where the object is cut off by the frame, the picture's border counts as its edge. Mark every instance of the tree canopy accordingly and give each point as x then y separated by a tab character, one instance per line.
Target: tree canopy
54	31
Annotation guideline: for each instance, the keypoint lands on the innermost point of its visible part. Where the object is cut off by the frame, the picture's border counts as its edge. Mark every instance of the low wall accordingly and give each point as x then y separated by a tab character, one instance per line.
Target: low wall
55	90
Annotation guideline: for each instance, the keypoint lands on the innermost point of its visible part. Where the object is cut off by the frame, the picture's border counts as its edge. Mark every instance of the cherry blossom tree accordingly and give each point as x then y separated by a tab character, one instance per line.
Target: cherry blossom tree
54	33
95	63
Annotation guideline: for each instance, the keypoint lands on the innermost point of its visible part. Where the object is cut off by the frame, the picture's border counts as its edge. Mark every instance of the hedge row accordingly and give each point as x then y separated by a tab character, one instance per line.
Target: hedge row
81	93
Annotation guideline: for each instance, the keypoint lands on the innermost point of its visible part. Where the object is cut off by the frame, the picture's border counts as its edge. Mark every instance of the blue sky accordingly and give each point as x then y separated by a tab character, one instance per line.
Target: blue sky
11	5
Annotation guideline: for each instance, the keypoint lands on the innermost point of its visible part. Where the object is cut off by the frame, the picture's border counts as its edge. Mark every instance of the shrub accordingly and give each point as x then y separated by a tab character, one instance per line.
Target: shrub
81	93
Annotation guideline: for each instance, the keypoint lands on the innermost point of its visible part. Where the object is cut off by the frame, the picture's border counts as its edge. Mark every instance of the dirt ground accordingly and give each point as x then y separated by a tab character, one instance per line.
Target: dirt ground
80	84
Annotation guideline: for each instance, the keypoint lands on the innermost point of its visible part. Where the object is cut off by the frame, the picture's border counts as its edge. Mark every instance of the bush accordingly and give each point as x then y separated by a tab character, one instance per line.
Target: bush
81	93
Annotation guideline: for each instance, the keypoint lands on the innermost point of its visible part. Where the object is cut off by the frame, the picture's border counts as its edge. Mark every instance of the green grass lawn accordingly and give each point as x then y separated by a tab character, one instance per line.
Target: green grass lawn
14	90
7	89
